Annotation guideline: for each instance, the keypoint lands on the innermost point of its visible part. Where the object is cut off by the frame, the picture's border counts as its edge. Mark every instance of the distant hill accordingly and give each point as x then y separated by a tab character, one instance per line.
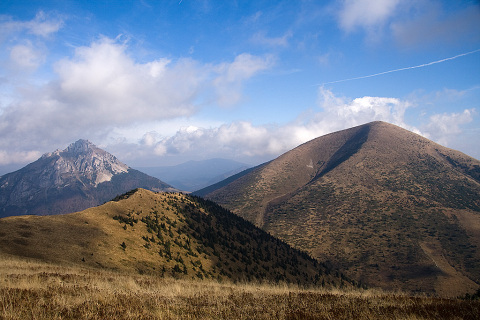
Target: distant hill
166	234
391	208
194	175
79	177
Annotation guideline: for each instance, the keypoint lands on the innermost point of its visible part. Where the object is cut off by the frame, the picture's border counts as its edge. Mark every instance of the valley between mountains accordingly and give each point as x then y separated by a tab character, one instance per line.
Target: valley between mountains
374	205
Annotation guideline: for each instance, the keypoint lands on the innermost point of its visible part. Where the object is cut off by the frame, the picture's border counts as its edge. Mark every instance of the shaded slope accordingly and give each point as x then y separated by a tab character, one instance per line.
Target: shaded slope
164	234
390	207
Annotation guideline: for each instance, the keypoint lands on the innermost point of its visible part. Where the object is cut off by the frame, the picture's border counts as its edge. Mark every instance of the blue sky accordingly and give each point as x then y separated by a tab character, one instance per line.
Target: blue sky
163	82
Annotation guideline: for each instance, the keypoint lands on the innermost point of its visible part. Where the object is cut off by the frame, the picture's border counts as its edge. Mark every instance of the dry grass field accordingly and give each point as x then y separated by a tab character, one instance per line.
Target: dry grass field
37	290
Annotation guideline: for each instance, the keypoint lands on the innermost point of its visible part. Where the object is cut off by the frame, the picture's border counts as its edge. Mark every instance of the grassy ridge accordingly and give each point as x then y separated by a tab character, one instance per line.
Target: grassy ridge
38	290
168	235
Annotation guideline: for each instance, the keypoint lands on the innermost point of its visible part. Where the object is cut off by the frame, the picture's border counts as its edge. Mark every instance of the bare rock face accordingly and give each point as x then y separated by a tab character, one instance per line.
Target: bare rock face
73	179
83	160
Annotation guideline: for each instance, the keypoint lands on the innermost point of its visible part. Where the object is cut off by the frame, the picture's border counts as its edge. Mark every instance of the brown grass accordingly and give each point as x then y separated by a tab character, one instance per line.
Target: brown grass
366	201
37	290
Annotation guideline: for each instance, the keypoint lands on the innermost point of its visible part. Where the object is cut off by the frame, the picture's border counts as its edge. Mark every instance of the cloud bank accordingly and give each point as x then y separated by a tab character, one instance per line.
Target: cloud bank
102	88
243	140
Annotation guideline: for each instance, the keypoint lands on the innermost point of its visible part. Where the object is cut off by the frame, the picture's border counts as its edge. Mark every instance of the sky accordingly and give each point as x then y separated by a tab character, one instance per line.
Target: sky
163	82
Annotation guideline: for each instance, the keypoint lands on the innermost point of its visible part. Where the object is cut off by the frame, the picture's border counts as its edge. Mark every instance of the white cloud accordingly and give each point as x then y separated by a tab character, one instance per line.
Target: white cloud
105	85
349	113
444	127
102	89
149	139
43	25
243	139
23	44
8	157
25	56
230	76
412	23
368	14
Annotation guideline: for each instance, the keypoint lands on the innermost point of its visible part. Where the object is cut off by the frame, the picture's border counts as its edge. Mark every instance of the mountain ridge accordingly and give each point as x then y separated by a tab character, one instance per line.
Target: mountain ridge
339	196
164	234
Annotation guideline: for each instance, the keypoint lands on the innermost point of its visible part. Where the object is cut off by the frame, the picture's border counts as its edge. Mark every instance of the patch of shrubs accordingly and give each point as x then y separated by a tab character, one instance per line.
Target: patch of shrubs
474	296
124	196
127	220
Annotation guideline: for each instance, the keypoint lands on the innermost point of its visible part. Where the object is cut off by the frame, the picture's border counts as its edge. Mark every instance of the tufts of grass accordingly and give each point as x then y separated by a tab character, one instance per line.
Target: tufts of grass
35	290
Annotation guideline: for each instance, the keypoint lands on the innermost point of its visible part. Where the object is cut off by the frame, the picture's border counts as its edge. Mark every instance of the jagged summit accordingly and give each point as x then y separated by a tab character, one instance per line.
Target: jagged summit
80	176
84	161
80	145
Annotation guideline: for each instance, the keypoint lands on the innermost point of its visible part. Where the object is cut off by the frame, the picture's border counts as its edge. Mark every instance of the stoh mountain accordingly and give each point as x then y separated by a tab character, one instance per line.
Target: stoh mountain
164	234
70	180
389	207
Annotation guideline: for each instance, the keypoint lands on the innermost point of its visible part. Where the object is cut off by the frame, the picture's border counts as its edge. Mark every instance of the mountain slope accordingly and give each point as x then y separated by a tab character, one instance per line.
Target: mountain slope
79	177
193	175
390	207
164	234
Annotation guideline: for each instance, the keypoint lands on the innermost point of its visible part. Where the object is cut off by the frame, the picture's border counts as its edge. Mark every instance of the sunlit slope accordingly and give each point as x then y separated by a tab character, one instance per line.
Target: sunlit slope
392	208
172	235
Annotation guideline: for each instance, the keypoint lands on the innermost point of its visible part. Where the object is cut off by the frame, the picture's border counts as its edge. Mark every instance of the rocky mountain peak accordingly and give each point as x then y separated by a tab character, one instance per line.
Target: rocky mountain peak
80	146
75	178
83	158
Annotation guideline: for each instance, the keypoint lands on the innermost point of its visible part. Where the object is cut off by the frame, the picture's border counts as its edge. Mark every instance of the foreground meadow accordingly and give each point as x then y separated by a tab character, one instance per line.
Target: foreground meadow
36	290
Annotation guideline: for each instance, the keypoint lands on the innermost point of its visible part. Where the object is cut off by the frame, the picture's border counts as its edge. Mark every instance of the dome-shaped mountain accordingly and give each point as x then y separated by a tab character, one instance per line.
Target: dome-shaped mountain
390	207
69	180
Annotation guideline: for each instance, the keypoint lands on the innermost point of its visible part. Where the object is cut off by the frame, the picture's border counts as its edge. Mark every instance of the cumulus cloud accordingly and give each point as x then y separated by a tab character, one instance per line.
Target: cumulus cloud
23	43
102	88
243	139
443	127
103	84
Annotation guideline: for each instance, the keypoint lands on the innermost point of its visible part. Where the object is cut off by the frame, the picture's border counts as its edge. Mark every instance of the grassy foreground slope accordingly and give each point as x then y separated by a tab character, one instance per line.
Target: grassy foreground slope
37	290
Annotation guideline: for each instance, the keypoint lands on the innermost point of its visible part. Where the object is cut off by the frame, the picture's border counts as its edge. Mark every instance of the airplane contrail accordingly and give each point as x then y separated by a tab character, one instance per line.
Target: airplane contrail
406	68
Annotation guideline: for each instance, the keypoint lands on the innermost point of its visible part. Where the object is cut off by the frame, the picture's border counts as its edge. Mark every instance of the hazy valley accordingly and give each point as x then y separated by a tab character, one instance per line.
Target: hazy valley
195	175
